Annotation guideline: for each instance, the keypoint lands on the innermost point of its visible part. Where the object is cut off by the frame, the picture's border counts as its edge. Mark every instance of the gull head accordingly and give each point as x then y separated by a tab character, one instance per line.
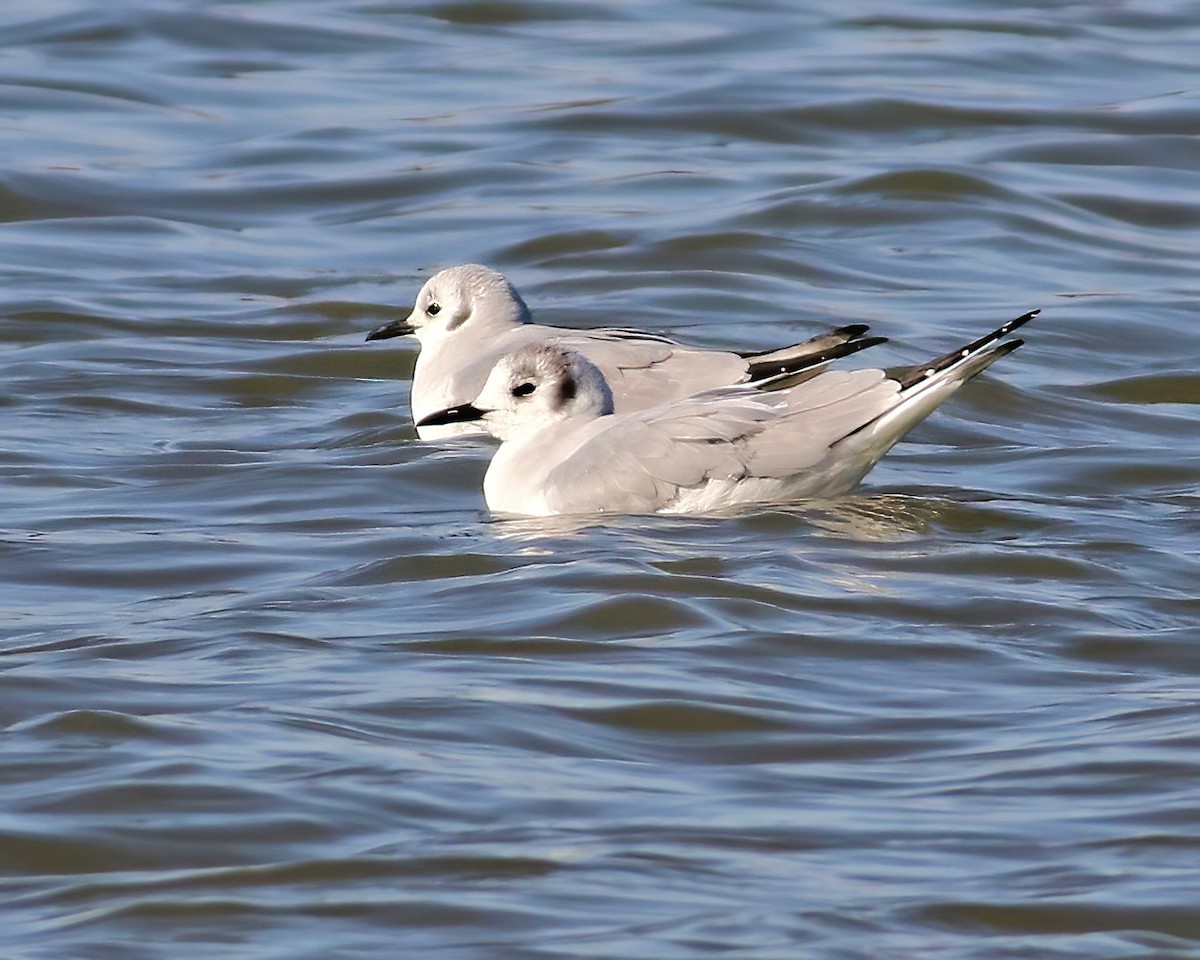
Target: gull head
532	388
470	297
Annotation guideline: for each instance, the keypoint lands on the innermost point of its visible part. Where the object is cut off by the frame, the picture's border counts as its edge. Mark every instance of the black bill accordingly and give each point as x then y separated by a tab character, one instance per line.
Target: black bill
460	414
396	328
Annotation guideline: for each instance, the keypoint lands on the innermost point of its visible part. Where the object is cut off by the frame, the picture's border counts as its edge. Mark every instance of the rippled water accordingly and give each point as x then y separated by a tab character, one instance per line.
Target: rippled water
273	683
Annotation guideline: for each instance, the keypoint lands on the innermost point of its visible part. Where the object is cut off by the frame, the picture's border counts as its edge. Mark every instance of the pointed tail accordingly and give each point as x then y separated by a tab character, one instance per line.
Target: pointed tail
924	387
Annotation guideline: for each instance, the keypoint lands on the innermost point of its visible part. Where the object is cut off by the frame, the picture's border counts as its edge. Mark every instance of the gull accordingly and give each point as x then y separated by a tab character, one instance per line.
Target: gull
468	317
564	449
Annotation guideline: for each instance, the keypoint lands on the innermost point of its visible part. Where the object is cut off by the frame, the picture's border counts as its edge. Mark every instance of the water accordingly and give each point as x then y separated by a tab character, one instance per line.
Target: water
274	684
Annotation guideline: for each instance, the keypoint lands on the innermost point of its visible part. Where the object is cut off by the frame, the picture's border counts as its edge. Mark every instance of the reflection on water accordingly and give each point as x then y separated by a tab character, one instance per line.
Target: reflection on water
274	684
879	517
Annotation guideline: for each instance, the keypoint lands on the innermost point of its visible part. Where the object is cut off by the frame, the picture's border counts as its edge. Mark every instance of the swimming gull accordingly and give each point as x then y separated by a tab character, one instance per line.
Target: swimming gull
564	449
468	317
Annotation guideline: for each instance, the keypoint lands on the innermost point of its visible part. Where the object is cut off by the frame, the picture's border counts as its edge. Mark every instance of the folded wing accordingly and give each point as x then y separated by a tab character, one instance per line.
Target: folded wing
645	461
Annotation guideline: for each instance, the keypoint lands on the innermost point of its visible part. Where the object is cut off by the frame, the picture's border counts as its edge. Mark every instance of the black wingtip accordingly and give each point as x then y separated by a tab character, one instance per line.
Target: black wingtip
924	371
852	330
838	336
776	376
1020	321
999	333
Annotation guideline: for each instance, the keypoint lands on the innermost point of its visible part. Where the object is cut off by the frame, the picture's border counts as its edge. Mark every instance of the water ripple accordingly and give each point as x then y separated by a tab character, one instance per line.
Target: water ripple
274	684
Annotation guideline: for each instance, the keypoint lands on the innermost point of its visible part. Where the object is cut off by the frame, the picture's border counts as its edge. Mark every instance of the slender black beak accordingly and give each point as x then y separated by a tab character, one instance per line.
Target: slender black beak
396	328
460	414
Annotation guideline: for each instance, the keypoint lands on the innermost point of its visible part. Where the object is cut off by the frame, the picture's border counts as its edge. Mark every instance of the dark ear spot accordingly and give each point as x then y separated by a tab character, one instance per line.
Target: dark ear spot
458	319
568	389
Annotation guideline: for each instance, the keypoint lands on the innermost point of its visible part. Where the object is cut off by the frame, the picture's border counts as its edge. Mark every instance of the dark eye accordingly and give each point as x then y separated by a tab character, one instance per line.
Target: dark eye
523	389
433	309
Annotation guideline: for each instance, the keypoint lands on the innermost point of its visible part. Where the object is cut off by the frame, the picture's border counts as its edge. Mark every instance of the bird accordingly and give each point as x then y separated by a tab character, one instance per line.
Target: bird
565	450
469	316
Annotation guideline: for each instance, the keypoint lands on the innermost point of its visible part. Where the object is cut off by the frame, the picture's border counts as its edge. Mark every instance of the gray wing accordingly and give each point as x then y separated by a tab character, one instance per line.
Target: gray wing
820	413
644	461
644	370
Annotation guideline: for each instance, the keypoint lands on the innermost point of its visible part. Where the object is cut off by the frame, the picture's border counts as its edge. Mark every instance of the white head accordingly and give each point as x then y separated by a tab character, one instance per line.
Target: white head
532	388
468	297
